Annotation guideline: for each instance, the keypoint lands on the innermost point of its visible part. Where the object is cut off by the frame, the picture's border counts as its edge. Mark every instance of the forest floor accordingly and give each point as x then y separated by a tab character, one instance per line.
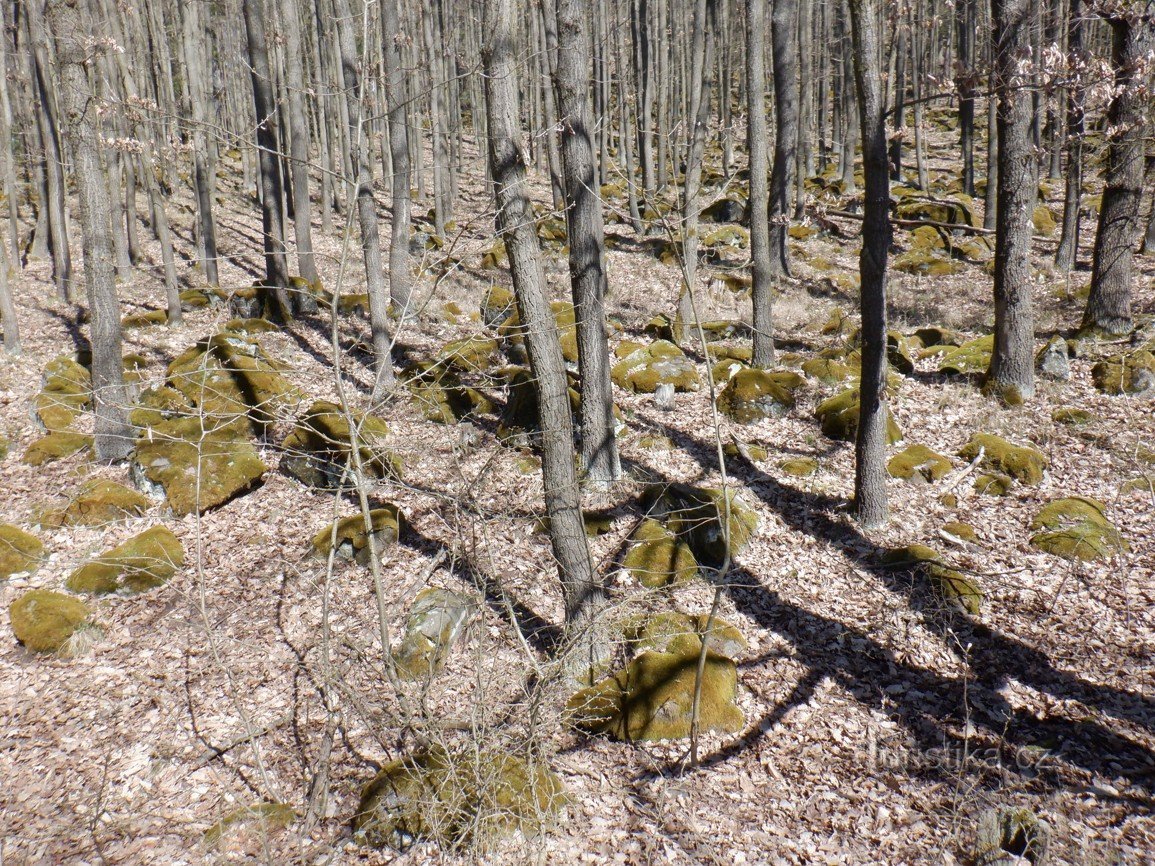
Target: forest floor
880	724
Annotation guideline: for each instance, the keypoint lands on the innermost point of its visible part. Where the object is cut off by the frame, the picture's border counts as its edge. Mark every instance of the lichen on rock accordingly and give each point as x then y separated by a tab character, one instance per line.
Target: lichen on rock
141	563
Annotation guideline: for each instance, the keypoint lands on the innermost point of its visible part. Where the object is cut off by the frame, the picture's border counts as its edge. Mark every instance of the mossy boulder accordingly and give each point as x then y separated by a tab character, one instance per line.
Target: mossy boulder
20	551
564	318
159	404
320	445
1072	416
44	621
96	503
898	353
257	820
754	395
1023	463
194	299
727	236
456	796
1143	483
961	531
66	393
799	467
731	209
937	336
972	357
1043	220
193	467
1054	360
1076	528
470	355
698	515
145	319
144	562
520	421
926	263
994	484
959	209
682	633
55	446
351	538
918	463
652	698
441	395
658	557
660	363
1128	373
435	623
838	416
950	585
829	371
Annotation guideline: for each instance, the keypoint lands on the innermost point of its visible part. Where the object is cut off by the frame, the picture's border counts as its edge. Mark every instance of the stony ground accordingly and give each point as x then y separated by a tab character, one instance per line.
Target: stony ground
880	725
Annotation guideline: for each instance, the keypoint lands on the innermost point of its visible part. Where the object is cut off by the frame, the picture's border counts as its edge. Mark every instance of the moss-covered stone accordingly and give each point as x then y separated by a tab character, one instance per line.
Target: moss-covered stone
1076	528
320	445
731	209
917	462
159	404
898	353
196	468
659	363
1026	465
470	355
1011	836
756	453
435	623
66	393
727	236
44	621
829	371
260	819
456	797
1129	373
973	356
249	326
837	323
937	336
652	698
926	263
1044	221
838	416
681	634
564	318
96	503
1142	483
658	557
144	562
958	209
20	551
1071	416
146	319
352	541
440	394
948	583
55	446
194	299
752	395
961	531
994	484
698	515
799	467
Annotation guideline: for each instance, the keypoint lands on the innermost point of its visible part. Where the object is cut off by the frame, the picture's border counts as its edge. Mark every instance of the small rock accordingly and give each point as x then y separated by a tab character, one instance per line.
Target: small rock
1054	362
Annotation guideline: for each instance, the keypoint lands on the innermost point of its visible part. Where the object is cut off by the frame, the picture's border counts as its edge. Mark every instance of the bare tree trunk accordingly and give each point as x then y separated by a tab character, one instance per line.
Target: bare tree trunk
298	140
899	120
1012	370
784	39
640	24
275	289
762	272
583	592
113	435
966	17
1068	249
400	280
870	445
11	329
9	155
1109	304
586	230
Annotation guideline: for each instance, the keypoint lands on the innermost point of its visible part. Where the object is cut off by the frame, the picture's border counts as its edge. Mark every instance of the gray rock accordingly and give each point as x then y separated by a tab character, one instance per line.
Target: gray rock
1054	361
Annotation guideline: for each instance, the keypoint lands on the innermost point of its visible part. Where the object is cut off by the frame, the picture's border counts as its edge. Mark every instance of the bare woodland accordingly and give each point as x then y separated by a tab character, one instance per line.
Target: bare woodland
641	431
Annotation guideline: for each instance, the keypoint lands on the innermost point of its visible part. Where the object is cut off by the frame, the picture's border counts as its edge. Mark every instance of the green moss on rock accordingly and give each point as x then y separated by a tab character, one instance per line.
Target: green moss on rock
1026	465
144	562
320	445
830	371
259	818
66	393
681	634
470	355
972	357
20	551
159	404
698	515
44	621
435	623
799	467
96	503
838	416
1071	416
918	462
1129	373
961	531
658	557
352	541
994	484
1076	528
753	395
659	363
55	446
949	584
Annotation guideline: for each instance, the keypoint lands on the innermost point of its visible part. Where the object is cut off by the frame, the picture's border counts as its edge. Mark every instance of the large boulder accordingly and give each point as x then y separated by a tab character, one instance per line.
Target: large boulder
1076	528
658	557
918	463
144	562
20	551
972	357
435	623
320	447
55	446
1128	373
838	416
66	393
642	368
195	468
1023	463
45	621
716	527
350	540
754	395
96	503
949	584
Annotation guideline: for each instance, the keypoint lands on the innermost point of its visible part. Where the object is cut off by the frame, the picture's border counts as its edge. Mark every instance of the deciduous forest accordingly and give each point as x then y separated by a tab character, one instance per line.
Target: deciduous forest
557	431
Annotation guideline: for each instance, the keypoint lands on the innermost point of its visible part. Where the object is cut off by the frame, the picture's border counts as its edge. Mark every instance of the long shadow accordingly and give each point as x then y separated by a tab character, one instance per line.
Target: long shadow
71	324
992	657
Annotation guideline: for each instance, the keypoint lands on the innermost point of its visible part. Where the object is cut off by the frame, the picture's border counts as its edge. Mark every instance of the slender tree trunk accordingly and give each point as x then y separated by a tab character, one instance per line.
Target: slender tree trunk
11	329
400	279
640	23
298	139
804	163
1109	304
585	230
756	133
870	445
366	206
899	119
784	38
1068	249
1012	370
9	155
583	592
966	17
113	435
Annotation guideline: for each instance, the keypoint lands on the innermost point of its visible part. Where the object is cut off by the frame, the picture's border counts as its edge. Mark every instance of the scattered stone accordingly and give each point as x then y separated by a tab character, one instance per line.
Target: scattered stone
320	445
258	820
436	622
754	395
1011	836
1072	416
918	463
96	503
697	514
949	584
195	468
55	446
972	357
838	416
66	393
994	484
1077	528
961	531
456	797
661	362
352	541
20	551
1054	361
799	467
658	557
144	562
1128	373
829	371
45	621
1026	465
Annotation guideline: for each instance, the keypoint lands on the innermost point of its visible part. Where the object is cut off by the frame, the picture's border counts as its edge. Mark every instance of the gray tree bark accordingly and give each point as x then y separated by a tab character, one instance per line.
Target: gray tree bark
762	272
1068	248
400	280
784	39
298	139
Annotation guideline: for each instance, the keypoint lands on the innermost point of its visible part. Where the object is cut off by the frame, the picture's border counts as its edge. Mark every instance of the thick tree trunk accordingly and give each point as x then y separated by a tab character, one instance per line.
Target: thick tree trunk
784	39
400	279
870	446
1068	249
762	272
1109	304
586	231
584	594
275	288
1012	370
113	435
